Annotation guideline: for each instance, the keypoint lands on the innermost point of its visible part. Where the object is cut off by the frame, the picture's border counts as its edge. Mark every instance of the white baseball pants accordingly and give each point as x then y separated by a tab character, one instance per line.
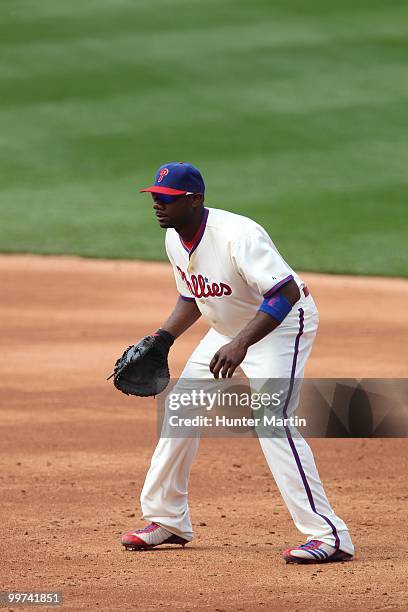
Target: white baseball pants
281	354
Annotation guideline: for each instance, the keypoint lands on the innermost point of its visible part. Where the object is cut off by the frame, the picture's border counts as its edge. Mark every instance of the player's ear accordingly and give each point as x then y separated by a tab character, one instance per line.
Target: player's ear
198	200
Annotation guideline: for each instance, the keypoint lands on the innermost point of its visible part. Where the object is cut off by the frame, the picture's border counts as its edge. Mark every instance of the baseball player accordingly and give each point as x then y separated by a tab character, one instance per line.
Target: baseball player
261	318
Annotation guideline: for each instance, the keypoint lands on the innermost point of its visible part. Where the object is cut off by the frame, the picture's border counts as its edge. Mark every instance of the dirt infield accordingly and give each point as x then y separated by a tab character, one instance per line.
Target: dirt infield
74	453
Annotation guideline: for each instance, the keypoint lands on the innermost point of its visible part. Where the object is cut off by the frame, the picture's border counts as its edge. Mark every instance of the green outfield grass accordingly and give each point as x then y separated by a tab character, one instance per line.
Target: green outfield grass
295	111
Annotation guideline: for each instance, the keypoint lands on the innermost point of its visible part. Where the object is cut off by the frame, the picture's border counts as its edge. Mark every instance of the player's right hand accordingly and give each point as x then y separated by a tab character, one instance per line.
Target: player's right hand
227	359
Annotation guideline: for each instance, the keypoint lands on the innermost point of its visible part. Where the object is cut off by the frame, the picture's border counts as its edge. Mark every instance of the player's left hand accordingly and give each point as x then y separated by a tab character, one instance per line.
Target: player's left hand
227	359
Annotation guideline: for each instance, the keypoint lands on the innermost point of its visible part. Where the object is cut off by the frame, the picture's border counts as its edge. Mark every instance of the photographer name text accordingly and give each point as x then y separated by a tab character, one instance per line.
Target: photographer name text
224	421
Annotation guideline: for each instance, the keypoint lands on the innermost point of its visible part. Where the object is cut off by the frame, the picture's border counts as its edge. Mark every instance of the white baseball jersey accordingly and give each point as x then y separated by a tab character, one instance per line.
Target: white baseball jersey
231	267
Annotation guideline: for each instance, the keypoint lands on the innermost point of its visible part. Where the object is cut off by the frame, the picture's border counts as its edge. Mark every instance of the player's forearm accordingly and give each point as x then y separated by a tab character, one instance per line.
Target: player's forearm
229	356
263	324
184	315
259	327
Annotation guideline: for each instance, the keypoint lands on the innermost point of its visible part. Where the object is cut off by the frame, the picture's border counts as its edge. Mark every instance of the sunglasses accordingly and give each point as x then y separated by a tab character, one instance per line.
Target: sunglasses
163	198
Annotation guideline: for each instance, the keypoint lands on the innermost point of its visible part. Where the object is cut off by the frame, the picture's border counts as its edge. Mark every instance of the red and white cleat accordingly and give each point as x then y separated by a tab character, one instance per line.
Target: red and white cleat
315	551
149	537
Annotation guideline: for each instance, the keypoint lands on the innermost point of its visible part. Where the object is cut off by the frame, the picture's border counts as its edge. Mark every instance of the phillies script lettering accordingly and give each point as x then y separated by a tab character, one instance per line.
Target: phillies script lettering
201	288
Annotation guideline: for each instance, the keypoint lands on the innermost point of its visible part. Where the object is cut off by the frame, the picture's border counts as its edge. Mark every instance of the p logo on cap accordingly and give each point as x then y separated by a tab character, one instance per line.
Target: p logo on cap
162	174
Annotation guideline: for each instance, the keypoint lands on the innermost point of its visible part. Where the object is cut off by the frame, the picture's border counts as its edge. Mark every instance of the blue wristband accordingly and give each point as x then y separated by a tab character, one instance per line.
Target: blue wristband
276	306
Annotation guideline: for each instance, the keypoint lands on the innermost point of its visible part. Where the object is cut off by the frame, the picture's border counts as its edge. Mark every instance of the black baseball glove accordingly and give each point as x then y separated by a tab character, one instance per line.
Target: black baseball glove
143	368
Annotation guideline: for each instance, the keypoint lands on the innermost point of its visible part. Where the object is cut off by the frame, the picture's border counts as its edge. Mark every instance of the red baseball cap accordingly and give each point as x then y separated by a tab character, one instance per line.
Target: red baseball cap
177	178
